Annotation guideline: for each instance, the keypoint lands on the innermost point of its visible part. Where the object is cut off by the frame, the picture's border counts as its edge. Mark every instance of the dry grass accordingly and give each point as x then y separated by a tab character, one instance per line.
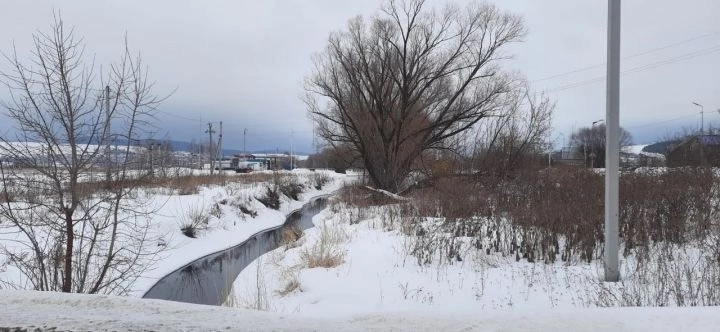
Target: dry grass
190	184
552	214
290	234
291	281
327	251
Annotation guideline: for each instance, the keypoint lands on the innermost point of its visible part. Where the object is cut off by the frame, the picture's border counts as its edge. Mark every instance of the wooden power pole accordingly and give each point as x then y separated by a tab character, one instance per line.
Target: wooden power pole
210	131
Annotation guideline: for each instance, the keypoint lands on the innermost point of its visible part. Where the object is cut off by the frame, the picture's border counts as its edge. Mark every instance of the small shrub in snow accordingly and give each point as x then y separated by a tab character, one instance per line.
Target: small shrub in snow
245	210
319	180
289	236
290	280
327	251
271	198
216	211
193	221
291	188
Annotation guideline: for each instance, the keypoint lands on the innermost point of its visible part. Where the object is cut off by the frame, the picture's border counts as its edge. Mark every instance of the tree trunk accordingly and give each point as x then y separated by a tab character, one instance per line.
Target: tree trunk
67	280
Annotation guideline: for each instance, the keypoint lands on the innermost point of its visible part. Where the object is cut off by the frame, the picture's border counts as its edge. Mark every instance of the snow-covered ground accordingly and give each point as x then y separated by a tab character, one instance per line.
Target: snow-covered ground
379	273
226	224
379	276
634	149
38	311
223	232
376	282
638	150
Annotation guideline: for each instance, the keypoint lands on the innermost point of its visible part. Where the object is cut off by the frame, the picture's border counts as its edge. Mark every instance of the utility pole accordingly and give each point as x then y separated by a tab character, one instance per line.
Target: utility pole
702	118
292	137
612	139
211	131
219	149
152	162
702	132
550	147
245	143
108	175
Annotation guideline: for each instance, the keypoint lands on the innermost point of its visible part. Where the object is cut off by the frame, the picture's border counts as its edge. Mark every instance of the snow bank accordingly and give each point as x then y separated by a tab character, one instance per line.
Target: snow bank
47	310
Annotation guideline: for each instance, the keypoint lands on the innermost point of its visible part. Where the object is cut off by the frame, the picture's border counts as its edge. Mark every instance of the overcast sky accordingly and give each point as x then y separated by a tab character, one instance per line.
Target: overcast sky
242	62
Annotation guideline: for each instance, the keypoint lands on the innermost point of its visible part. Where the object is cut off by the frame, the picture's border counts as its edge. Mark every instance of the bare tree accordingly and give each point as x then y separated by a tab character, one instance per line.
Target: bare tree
74	231
589	143
516	136
408	79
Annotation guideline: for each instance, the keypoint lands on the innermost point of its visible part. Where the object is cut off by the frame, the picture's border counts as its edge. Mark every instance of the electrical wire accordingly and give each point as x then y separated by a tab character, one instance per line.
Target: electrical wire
642	68
661	48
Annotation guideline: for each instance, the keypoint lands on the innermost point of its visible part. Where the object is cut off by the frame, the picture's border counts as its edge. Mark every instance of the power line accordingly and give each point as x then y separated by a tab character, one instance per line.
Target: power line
661	48
642	68
662	121
179	116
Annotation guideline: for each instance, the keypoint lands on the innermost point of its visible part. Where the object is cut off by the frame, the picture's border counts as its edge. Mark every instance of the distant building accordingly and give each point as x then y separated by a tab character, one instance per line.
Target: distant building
698	150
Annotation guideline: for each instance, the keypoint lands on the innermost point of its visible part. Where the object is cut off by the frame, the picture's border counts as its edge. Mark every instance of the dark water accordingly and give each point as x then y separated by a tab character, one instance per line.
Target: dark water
208	280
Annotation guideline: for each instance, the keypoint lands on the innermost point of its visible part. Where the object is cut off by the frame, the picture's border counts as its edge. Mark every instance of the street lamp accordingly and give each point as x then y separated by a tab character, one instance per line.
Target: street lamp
702	118
592	153
551	147
586	139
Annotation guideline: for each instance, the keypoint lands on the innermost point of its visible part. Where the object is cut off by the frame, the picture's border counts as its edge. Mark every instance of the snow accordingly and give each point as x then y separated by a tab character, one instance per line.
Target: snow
46	310
638	150
167	209
384	275
224	232
634	149
378	284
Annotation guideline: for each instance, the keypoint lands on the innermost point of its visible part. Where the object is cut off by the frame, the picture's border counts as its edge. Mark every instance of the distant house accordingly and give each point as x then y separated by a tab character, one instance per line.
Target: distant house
698	150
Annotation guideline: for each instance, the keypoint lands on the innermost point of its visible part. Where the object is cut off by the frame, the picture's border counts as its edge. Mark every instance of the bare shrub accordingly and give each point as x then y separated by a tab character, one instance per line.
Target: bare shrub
552	214
290	234
290	277
672	275
216	211
270	198
193	221
291	188
247	211
319	180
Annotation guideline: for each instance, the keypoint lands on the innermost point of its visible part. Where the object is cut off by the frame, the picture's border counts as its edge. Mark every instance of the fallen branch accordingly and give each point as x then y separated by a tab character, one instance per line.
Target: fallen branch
388	194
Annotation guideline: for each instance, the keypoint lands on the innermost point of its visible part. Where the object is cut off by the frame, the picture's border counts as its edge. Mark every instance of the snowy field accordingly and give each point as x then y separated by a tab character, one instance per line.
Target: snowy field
357	270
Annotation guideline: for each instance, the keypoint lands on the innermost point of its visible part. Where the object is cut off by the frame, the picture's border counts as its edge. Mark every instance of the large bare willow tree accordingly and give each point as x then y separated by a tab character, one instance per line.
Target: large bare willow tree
408	79
66	215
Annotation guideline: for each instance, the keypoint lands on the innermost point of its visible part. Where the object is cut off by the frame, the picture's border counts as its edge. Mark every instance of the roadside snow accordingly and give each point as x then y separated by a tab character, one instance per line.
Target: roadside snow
56	311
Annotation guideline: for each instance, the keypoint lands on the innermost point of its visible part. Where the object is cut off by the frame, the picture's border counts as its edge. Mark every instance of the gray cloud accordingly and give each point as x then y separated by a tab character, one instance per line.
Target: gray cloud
243	62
